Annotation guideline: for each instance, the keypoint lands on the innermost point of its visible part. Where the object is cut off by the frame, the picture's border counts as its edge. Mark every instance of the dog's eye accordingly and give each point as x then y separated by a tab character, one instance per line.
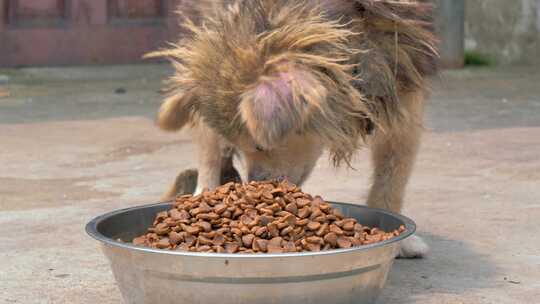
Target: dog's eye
259	149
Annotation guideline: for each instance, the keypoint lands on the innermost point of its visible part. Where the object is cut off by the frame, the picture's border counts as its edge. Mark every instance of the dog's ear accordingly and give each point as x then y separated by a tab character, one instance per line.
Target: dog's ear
279	104
176	110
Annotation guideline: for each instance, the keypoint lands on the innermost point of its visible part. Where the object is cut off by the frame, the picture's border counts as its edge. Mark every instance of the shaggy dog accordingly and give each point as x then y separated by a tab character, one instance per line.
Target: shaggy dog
277	82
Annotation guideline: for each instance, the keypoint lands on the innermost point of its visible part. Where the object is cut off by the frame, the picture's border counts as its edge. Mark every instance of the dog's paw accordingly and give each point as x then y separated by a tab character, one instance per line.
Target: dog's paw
413	247
184	183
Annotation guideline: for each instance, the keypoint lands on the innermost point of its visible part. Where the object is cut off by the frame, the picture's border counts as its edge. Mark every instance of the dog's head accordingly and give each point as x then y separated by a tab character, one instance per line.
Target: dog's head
273	77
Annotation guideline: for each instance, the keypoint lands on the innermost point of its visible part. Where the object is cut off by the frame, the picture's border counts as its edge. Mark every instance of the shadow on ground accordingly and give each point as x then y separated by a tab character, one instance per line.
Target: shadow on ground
456	270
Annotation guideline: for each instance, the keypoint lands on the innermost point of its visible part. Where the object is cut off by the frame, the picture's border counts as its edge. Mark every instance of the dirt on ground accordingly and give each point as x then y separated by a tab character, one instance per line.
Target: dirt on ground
78	142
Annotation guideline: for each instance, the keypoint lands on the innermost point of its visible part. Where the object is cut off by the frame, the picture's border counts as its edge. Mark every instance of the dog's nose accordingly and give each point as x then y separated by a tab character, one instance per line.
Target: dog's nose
258	175
282	178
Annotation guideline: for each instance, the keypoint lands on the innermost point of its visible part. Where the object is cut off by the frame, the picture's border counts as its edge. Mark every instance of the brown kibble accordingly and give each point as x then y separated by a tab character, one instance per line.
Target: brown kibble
175	214
273	230
325	207
290	220
315	213
275	207
161	216
284	214
218	240
282	225
302	222
236	231
302	202
337	213
304	212
297	194
258	217
247	240
292	208
356	242
163	243
208	216
277	191
335	229
267	195
317	201
348	232
259	231
206	226
175	238
331	238
267	211
224	230
190	229
246	220
313	226
265	220
219	209
315	240
349	225
275	242
245	230
322	230
139	241
231	247
331	217
320	219
261	245
344	242
237	212
204	248
313	247
287	230
204	208
204	240
183	247
190	240
162	229
252	213
275	249
290	247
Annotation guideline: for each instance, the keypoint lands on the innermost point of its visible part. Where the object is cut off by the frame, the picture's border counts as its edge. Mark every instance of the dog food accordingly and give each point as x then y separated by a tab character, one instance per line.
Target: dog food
259	217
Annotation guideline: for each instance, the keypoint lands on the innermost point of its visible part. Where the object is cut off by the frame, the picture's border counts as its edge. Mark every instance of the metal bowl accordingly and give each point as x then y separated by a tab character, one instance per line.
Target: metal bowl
144	275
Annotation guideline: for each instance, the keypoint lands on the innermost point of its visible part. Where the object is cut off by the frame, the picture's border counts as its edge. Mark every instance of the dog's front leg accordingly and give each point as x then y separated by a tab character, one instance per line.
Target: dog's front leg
394	153
210	153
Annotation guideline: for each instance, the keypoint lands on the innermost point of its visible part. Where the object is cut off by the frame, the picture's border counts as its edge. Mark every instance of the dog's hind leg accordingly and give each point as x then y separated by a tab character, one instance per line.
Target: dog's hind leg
394	153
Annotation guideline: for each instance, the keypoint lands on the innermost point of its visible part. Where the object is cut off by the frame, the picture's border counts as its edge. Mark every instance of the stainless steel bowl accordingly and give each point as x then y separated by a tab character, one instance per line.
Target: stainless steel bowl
144	275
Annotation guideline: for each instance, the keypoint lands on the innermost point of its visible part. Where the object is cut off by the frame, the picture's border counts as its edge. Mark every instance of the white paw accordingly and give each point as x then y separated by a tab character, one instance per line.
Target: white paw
413	247
198	191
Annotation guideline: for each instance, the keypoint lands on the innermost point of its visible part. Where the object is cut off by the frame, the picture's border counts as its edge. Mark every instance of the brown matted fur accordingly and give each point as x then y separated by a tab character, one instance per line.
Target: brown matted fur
354	56
277	81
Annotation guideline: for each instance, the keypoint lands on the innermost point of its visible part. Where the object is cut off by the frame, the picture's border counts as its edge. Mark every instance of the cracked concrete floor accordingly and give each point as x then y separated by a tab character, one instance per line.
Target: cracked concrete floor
78	142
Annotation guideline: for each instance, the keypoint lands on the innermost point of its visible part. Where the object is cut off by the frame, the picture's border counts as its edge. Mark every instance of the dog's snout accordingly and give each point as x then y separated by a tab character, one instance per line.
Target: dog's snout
258	175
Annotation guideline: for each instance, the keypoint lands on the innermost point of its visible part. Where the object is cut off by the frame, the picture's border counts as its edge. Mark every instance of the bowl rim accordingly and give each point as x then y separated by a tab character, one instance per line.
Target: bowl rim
91	230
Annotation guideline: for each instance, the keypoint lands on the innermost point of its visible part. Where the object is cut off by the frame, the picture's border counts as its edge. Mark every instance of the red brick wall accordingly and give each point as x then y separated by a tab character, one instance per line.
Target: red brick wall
64	32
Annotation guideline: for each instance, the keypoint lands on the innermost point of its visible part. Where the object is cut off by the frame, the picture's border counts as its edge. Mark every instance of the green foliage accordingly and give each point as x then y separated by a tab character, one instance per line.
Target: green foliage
478	59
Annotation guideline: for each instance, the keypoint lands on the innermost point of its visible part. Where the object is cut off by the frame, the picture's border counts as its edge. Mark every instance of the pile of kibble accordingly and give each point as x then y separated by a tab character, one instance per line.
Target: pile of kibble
259	217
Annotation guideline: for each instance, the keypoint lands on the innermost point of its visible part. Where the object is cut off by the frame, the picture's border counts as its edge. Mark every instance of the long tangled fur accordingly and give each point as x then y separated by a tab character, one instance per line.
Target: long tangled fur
355	55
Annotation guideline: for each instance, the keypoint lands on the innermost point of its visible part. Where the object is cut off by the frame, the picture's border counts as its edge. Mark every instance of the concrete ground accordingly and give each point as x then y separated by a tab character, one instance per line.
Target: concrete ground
78	142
